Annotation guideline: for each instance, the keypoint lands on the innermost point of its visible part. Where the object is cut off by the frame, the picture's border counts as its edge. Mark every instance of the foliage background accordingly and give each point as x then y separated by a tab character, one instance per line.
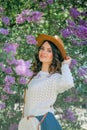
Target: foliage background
53	20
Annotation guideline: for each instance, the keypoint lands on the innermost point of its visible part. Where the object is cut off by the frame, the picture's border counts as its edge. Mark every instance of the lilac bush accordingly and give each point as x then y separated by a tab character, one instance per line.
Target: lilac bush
18	48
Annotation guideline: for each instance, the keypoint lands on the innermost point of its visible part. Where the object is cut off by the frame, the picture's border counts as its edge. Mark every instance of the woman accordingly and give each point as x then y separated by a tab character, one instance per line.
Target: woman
52	76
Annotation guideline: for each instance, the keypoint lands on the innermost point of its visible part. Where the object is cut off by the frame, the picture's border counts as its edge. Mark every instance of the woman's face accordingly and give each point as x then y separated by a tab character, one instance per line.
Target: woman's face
45	53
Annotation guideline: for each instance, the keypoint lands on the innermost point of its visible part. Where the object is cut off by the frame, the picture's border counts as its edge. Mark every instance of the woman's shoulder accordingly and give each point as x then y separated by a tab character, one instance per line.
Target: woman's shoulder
56	75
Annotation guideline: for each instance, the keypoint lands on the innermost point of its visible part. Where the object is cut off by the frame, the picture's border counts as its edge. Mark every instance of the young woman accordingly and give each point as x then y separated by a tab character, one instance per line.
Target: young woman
52	76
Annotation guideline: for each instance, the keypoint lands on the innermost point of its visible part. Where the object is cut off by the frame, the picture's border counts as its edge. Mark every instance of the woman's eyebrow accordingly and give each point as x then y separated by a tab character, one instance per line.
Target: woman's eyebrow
47	48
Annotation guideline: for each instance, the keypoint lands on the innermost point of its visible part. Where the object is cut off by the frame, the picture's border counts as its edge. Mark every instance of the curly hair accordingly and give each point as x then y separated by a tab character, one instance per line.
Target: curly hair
55	66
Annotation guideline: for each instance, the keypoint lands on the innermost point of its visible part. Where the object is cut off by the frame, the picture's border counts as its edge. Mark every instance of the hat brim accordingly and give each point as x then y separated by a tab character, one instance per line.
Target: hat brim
29	124
58	42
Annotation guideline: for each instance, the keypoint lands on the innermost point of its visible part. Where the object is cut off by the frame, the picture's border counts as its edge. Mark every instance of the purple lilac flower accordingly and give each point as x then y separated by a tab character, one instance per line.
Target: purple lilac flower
22	68
83	43
66	32
4	31
34	0
6	20
35	17
84	13
4	97
74	12
50	1
29	73
7	88
13	126
73	63
71	99
8	70
75	99
43	5
22	80
81	32
22	62
82	22
26	13
69	115
31	39
12	61
85	81
70	23
68	99
11	47
75	42
9	79
2	106
20	19
81	72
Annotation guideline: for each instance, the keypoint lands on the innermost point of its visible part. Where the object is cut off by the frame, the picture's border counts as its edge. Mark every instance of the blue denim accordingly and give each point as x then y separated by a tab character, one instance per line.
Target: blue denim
49	123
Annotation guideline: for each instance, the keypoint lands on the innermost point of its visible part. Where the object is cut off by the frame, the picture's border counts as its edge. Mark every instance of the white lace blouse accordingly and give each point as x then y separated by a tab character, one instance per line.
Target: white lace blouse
43	89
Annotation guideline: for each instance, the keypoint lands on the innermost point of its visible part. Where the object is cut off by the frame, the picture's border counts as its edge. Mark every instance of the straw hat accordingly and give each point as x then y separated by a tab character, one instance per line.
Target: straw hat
55	40
29	124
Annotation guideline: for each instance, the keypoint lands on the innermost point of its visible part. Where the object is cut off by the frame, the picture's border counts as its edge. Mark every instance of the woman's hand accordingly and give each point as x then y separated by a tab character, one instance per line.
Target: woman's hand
67	60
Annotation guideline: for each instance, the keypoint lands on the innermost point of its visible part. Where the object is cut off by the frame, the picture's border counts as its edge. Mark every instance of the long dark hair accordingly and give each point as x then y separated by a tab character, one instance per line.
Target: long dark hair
56	62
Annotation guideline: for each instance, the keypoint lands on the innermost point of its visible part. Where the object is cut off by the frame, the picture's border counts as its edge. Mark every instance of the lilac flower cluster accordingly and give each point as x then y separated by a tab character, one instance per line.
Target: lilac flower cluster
82	72
31	39
36	16
82	22
74	12
69	115
7	70
79	43
6	20
66	32
22	80
22	68
4	31
11	47
79	31
44	4
71	99
2	106
73	63
4	97
30	16
11	61
76	29
9	81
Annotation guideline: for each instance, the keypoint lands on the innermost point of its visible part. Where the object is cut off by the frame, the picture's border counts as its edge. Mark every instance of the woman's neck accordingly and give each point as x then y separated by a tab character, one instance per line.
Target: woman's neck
45	67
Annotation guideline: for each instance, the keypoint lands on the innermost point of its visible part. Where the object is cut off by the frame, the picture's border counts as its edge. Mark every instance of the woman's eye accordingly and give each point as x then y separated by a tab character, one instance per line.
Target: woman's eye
49	51
41	48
